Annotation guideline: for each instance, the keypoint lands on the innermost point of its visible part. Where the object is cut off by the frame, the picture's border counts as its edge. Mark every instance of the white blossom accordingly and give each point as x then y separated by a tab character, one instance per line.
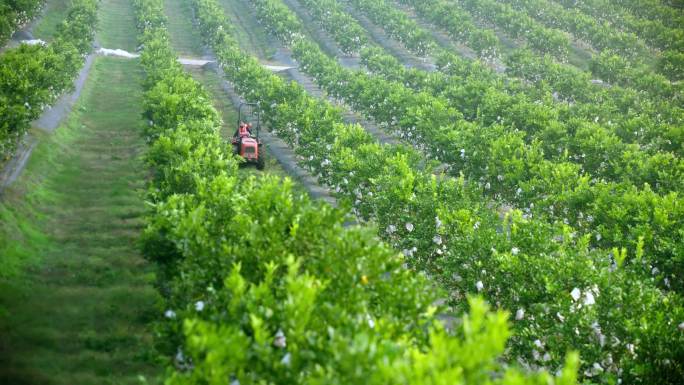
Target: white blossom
438	222
575	294
199	305
170	314
437	239
538	344
515	251
520	314
286	359
630	348
391	229
681	326
409	227
371	322
479	285
596	369
560	317
180	357
589	298
280	341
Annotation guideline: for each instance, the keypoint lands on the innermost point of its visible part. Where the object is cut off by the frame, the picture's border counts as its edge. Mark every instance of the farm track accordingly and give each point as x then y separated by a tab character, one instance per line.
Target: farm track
79	308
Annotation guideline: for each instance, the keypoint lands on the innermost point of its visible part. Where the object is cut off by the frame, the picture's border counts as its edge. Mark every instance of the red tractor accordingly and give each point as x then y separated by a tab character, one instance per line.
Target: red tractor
245	142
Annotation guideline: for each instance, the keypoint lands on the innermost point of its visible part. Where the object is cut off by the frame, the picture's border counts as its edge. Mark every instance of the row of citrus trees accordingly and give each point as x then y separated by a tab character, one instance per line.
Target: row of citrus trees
634	117
397	25
348	34
265	286
601	36
519	26
566	79
33	76
489	99
671	15
512	167
669	40
563	293
623	57
14	13
658	34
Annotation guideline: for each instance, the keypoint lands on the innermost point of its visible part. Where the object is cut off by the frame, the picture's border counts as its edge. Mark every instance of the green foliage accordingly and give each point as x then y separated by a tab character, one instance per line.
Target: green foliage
33	77
348	34
519	26
264	285
398	25
14	13
458	24
446	229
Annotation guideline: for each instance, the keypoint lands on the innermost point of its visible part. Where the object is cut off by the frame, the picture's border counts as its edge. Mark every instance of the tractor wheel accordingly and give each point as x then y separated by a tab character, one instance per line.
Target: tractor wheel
261	162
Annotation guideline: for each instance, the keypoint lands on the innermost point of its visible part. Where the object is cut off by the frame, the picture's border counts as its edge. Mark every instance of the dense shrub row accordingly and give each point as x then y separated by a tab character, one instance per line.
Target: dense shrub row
397	25
563	293
33	76
566	193
653	120
459	25
599	35
652	31
264	286
614	45
519	26
655	10
348	34
14	13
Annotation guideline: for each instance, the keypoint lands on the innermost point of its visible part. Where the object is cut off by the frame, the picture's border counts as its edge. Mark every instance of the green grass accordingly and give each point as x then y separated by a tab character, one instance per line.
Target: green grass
185	39
76	297
79	312
55	12
117	25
